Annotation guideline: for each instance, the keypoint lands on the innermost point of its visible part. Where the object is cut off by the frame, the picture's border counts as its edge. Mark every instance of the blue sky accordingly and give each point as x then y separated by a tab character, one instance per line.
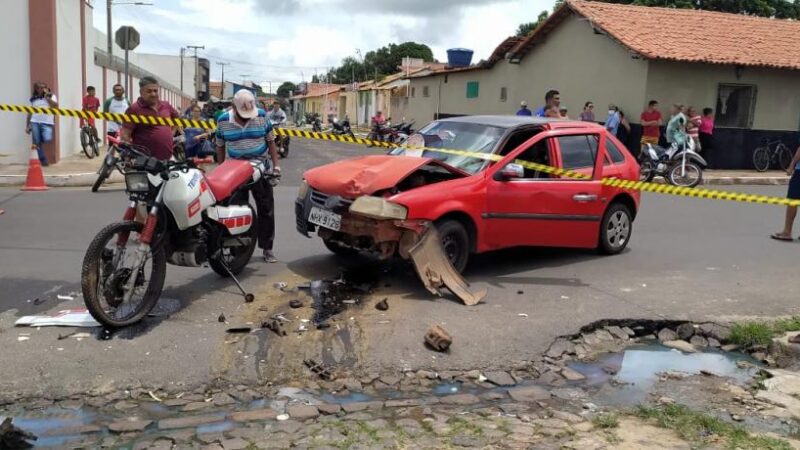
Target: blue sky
278	40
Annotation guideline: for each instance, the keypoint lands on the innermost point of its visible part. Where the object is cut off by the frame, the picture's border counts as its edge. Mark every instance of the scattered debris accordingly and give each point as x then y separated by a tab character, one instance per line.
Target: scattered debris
22	338
522	315
239	330
282	417
322	371
221	318
65	318
323	326
60	297
304	286
153	396
61	337
382	305
37	301
277	324
520	292
280	285
296	303
13	437
438	339
795	339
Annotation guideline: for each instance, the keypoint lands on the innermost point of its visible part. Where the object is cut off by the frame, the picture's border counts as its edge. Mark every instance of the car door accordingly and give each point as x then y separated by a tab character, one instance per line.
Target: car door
539	209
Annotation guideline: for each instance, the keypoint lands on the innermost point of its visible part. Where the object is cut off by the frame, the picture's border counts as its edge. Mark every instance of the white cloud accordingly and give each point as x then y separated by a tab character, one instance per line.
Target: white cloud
278	39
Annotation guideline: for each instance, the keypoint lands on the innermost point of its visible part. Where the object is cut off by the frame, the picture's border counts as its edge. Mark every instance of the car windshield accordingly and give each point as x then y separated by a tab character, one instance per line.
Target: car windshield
454	136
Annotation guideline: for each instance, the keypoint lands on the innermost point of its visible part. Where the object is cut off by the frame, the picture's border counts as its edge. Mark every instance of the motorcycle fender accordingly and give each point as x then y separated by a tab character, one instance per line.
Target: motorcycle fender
691	156
436	272
237	219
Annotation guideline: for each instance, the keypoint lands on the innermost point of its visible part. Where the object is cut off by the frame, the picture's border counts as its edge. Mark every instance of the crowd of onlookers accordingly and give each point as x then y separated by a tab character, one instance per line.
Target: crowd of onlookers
684	124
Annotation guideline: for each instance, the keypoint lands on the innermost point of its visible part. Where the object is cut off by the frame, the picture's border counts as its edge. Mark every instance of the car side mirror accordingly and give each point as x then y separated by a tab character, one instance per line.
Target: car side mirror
512	171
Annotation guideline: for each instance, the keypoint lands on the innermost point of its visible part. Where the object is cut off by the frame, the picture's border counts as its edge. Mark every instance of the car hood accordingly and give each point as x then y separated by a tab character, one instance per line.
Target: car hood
366	175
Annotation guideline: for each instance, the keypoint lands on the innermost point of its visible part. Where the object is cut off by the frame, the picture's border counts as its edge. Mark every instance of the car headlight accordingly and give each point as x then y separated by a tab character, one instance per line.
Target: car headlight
137	182
378	208
301	194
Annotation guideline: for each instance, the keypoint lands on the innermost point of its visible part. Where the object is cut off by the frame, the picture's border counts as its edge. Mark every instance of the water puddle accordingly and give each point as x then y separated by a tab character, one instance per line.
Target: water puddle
353	397
637	369
219	427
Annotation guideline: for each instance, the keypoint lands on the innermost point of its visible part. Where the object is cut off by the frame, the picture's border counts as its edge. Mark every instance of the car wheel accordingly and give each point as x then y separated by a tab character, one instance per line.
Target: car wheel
456	243
615	229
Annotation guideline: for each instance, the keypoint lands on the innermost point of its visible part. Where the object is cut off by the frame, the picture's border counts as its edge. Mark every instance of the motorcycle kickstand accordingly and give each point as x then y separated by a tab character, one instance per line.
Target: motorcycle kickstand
248	297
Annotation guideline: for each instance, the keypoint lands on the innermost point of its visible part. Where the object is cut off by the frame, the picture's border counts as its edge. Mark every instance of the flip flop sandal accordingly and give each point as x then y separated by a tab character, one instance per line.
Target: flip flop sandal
780	237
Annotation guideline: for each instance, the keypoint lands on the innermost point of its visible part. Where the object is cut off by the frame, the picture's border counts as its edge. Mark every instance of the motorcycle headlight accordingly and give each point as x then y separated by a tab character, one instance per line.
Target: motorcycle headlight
137	182
378	208
303	191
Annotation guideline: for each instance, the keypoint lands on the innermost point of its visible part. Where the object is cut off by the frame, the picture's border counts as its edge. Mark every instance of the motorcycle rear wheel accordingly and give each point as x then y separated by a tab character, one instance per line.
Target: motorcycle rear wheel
237	258
647	171
102	283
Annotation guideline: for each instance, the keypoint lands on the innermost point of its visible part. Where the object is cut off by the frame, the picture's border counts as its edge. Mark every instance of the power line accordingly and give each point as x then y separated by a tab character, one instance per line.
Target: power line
275	66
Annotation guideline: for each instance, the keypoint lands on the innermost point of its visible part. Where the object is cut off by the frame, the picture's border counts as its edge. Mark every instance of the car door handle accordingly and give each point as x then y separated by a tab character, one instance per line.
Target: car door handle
584	197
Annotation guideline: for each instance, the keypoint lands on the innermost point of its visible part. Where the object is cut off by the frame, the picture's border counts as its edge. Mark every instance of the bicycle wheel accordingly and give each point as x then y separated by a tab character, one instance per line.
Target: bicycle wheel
95	144
784	157
761	159
86	140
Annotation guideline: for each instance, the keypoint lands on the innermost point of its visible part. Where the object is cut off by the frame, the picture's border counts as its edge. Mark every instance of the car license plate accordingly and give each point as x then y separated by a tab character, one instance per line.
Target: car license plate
324	218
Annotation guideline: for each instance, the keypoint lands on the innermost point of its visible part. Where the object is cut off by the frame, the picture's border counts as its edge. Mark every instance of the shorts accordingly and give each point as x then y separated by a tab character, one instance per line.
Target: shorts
794	186
649	140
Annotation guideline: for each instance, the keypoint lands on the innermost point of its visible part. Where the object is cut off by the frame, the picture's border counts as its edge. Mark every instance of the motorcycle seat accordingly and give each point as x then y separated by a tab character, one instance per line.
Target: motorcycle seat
228	177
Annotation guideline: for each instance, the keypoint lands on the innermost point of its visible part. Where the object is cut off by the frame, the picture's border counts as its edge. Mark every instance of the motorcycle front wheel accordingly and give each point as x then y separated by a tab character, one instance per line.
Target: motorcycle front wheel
103	174
107	267
692	176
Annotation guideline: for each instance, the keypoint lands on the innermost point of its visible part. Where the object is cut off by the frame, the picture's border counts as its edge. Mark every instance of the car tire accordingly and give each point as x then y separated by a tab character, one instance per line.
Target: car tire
456	243
338	249
615	229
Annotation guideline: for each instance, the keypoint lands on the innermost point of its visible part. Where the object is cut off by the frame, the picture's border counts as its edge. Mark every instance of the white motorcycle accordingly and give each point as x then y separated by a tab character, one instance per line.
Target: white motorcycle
176	214
679	165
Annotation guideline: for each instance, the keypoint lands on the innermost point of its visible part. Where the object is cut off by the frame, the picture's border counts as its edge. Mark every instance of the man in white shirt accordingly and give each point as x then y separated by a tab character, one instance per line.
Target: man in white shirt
40	126
117	104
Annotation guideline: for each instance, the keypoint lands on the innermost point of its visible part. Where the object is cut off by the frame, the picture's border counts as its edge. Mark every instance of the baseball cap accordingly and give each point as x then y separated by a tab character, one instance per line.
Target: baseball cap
245	104
523	103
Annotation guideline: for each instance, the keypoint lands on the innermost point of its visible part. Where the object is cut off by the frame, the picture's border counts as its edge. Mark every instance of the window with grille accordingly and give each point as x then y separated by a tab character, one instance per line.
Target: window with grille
735	105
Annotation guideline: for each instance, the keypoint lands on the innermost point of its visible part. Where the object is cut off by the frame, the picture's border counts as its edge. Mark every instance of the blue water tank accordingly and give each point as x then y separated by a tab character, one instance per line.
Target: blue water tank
459	57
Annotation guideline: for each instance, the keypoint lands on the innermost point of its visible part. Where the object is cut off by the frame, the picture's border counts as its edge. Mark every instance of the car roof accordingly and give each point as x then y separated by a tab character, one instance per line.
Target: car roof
517	121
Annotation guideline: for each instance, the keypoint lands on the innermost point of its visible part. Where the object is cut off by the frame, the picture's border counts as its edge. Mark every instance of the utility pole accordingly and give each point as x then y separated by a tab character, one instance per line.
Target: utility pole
183	52
222	91
108	32
196	65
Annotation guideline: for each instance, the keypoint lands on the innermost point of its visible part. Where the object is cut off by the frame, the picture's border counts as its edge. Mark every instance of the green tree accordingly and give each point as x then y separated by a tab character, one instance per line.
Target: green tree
285	90
526	28
379	62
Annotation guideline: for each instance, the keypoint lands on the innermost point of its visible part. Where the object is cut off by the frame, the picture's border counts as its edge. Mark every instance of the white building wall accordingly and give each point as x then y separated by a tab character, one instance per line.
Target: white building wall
15	79
70	74
169	68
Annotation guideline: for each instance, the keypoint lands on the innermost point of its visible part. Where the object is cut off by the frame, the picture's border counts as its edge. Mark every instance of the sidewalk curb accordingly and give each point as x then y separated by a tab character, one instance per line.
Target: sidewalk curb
64	180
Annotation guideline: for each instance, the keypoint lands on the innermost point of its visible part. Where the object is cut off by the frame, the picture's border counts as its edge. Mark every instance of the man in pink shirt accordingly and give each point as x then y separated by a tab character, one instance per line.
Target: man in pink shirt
156	138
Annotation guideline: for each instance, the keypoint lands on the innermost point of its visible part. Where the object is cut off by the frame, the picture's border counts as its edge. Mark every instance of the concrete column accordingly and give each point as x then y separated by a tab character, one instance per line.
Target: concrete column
44	56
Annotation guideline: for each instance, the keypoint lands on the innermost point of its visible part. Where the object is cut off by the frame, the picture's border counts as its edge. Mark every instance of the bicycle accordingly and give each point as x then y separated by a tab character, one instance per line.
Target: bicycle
89	141
765	155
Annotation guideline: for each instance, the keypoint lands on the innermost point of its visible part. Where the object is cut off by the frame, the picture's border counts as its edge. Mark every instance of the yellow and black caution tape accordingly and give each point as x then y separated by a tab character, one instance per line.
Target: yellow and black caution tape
643	186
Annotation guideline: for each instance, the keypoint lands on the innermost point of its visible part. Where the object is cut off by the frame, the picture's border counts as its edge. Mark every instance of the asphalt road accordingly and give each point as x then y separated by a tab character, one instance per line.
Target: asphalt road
688	259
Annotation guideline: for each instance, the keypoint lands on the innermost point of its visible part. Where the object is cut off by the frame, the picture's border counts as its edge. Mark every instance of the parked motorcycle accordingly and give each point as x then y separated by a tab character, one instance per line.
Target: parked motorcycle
314	120
383	133
680	166
342	128
405	130
189	219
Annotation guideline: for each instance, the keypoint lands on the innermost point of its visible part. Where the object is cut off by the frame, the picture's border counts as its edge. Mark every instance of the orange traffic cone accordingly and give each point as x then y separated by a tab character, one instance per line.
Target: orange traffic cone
35	180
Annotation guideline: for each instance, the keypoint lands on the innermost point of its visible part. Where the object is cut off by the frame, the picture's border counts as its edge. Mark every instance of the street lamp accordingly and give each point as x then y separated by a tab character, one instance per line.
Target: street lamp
109	4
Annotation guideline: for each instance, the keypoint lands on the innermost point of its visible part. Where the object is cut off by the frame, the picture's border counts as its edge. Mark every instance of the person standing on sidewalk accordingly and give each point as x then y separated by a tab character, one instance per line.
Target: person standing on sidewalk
40	126
676	127
155	138
651	124
693	127
612	121
552	103
793	194
587	115
245	132
117	104
707	129
523	109
92	104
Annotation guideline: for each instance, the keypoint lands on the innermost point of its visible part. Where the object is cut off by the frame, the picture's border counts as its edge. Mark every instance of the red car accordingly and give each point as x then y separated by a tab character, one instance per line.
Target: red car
385	204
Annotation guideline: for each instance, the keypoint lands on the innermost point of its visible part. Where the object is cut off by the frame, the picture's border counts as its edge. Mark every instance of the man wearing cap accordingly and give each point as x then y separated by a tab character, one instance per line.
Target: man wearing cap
244	132
523	109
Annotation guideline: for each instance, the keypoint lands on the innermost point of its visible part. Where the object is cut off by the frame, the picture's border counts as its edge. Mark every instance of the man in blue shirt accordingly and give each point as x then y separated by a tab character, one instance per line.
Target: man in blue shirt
523	109
552	100
612	122
246	133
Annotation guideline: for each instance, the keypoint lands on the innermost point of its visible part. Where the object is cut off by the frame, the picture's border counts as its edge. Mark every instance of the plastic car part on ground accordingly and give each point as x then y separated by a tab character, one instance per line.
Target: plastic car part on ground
66	318
436	272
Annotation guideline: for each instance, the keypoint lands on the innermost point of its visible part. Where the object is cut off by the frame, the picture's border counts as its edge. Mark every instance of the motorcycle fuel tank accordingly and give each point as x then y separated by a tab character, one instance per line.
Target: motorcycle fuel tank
187	195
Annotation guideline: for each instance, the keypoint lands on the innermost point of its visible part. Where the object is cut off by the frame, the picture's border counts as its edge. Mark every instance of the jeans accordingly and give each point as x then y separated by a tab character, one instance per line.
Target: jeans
265	209
41	133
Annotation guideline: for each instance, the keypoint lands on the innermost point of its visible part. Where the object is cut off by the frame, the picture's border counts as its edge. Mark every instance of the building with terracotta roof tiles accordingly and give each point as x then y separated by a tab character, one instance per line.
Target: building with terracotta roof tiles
746	68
